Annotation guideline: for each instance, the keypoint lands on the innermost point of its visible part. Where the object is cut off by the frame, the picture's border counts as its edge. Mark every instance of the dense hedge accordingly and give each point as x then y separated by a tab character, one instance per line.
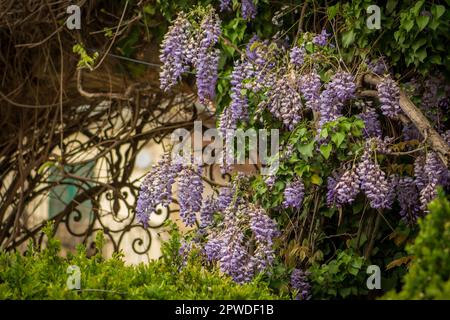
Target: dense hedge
43	275
429	275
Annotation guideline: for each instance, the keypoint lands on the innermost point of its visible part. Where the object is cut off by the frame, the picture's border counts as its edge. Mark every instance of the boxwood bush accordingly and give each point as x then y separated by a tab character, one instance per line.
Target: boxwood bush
42	274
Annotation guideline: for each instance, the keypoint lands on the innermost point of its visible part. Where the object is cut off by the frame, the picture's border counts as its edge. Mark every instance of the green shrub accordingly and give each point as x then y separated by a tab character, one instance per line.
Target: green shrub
428	275
43	275
342	277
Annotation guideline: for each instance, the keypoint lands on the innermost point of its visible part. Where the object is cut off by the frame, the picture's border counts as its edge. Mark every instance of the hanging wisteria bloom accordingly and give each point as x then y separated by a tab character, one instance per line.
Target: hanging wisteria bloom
207	60
322	38
224	198
372	126
300	283
389	95
373	182
346	188
284	102
190	191
297	56
265	231
174	52
209	206
408	199
248	9
156	189
377	66
432	174
225	5
294	194
309	86
184	46
341	88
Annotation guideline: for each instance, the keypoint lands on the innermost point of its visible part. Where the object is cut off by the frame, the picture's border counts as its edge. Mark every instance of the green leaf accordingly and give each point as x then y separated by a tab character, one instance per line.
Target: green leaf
306	149
435	59
338	138
324	133
390	6
316	179
437	11
418	43
333	11
325	150
408	25
422	54
417	7
422	21
348	38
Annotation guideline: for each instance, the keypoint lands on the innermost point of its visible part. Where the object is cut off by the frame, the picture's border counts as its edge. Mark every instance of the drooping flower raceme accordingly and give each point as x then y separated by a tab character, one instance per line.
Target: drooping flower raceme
346	188
372	126
309	86
265	231
156	189
432	174
389	95
322	38
209	206
284	102
185	45
408	199
207	58
299	282
225	5
341	88
174	52
248	9
294	194
373	182
190	191
297	56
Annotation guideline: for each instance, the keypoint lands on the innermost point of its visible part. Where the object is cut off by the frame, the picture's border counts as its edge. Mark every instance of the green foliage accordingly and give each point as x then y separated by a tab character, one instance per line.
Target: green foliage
411	32
43	275
342	277
86	61
429	275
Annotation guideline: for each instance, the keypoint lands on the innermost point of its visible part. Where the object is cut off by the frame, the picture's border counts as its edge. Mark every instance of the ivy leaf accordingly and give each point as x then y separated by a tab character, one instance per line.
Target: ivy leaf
338	138
325	150
422	21
307	149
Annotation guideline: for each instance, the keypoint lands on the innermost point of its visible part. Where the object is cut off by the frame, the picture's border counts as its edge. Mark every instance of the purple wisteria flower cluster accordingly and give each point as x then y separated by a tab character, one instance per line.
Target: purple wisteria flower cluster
372	126
184	46
229	245
367	177
430	172
190	189
294	194
389	94
340	89
156	190
300	283
248	8
322	38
